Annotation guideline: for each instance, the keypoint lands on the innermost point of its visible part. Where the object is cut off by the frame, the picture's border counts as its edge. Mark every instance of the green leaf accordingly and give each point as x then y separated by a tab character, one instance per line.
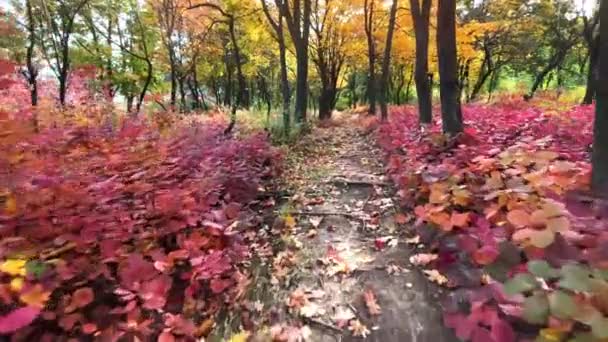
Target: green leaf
575	278
536	309
35	268
599	327
522	282
600	274
562	305
508	258
542	269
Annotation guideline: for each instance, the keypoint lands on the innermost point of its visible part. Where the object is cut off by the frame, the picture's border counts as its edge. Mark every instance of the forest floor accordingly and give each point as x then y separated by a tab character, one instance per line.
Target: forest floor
342	272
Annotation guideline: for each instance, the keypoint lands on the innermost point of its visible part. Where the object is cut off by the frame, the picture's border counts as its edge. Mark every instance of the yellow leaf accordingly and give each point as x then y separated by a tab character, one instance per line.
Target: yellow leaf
14	267
290	221
36	296
243	336
552	335
11	205
17	284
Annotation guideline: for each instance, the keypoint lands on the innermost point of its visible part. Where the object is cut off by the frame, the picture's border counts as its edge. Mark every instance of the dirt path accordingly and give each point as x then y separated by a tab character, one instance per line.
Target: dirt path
343	242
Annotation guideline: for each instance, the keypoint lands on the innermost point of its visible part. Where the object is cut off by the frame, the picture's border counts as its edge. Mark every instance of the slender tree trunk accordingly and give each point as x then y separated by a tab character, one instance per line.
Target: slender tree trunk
409	86
32	72
371	55
421	19
144	89
130	100
386	63
242	94
451	113
284	79
600	142
555	62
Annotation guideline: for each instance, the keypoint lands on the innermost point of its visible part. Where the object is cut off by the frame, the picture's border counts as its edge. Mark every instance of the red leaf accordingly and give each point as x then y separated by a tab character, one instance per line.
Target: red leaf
220	285
18	319
502	331
82	297
154	292
136	269
461	325
486	255
166	336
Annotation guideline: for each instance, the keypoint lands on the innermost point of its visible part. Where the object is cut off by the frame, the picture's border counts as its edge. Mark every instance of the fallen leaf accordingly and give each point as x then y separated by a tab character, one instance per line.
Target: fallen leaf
311	309
423	259
413	241
17	284
315	221
18	319
35	296
401	218
297	299
519	218
14	267
358	329
372	303
82	297
312	233
436	277
240	337
343	315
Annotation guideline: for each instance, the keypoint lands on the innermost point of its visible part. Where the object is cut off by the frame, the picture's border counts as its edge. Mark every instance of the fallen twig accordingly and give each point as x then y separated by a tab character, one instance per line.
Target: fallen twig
323	324
334	213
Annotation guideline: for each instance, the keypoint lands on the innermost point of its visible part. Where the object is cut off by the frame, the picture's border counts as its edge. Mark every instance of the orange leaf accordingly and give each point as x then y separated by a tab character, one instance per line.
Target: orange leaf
519	218
460	220
36	296
560	224
372	303
443	220
11	205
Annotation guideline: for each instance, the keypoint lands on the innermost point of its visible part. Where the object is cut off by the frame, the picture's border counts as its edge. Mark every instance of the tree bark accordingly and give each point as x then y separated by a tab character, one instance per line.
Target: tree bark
386	63
592	72
298	24
600	142
421	19
31	74
277	25
371	55
555	62
451	112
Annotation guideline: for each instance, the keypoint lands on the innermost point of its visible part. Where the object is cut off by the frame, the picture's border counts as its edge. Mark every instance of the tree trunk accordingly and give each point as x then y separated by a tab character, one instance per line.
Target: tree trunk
301	82
284	80
409	86
144	89
451	113
371	55
327	99
592	72
600	142
556	61
421	18
32	72
386	63
242	94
